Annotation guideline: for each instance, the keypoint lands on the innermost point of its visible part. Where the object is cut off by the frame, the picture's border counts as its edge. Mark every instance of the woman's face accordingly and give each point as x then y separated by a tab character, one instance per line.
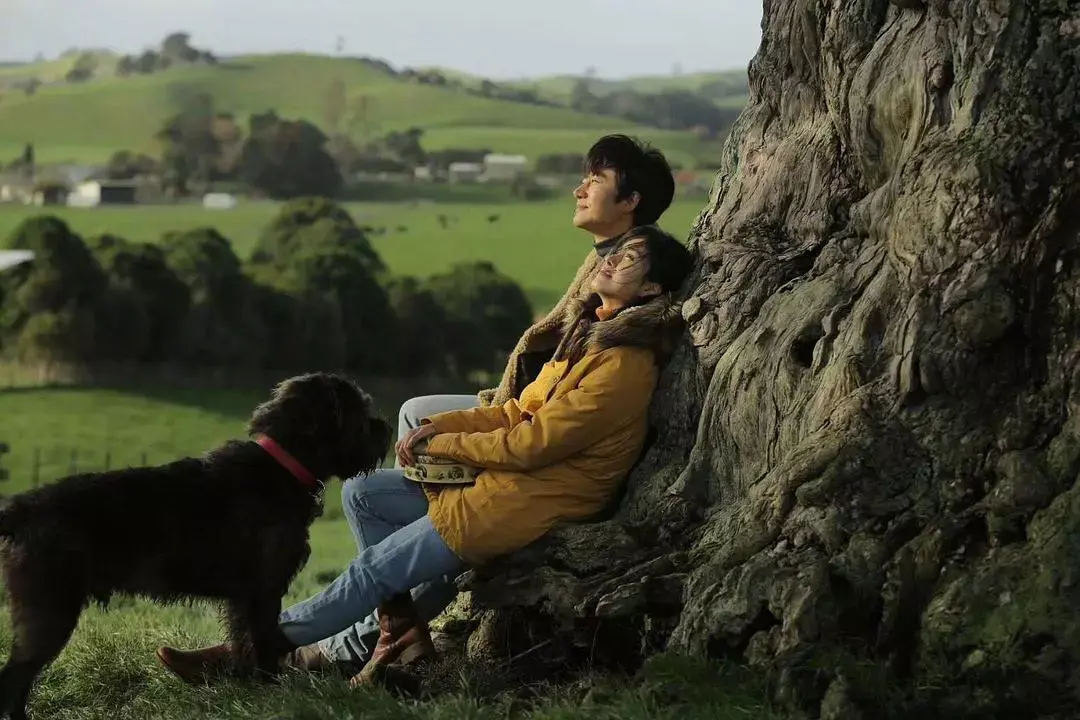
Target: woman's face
620	279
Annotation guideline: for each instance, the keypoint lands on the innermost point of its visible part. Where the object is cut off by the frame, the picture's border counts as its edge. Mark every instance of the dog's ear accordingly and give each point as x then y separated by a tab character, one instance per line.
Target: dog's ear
362	440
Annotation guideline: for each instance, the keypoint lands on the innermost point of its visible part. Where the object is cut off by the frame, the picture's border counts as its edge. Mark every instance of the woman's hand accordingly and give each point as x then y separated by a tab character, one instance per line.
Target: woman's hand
404	446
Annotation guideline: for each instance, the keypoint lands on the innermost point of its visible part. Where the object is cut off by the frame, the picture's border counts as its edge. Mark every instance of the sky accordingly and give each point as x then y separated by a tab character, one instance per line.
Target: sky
500	39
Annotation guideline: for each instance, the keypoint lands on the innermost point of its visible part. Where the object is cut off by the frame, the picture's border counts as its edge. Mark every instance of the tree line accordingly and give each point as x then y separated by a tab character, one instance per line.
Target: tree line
313	295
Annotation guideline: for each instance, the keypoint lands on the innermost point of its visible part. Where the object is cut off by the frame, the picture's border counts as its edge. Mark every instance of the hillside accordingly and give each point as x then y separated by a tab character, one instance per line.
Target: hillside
727	88
87	122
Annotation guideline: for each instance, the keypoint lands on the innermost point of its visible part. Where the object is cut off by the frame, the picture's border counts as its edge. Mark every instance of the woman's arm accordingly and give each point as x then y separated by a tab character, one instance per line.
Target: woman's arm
473	420
619	388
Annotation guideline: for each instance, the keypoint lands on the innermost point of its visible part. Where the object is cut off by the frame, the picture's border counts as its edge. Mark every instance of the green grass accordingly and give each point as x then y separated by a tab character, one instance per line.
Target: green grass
108	669
87	122
533	243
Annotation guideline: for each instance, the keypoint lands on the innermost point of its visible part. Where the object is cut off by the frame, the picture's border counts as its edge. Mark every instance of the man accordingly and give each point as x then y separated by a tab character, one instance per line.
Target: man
626	184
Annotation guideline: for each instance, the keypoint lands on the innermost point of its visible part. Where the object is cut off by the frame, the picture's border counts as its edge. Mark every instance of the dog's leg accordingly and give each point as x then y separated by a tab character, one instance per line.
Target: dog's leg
238	628
266	638
40	633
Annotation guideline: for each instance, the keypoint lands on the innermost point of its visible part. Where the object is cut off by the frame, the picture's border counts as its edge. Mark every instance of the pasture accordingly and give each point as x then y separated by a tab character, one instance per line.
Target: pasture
533	243
109	669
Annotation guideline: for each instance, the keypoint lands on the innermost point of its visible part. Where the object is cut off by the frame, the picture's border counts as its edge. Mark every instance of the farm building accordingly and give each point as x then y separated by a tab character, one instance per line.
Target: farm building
504	168
219	201
103	192
465	171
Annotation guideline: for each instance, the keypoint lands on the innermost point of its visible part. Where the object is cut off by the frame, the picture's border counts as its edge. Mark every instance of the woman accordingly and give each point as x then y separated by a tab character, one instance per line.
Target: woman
558	452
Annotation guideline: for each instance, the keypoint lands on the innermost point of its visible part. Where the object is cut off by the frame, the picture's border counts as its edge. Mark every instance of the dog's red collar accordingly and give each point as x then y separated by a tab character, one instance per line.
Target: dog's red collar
287	461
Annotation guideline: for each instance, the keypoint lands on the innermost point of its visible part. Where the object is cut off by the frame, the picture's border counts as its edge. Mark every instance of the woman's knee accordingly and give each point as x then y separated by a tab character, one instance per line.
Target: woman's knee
354	494
357	492
410	411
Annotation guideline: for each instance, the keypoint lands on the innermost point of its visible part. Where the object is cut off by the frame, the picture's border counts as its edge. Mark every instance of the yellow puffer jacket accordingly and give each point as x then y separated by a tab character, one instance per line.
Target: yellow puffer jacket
560	451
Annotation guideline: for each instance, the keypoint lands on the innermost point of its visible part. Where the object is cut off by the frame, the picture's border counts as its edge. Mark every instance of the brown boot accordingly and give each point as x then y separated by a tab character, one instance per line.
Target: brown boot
403	639
197	667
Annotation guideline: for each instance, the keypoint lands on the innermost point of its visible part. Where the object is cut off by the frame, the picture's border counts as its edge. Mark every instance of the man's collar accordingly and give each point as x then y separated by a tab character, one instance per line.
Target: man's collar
604	247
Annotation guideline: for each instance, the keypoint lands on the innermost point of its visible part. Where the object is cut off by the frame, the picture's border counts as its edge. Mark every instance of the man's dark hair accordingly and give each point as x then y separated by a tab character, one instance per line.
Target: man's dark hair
639	168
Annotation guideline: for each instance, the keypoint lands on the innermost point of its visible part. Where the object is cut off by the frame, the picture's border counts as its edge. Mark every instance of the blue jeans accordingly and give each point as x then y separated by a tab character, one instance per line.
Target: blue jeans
399	550
377	507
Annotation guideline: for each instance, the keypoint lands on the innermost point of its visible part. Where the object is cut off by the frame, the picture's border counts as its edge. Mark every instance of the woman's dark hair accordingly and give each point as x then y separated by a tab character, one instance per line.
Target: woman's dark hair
669	261
670	264
638	168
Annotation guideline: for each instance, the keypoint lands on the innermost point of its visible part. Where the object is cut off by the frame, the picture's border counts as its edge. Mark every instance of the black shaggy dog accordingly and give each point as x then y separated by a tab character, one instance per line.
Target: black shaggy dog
231	526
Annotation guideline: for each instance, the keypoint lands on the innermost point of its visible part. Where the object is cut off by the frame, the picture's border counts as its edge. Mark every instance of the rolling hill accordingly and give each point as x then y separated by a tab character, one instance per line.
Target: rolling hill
87	122
726	88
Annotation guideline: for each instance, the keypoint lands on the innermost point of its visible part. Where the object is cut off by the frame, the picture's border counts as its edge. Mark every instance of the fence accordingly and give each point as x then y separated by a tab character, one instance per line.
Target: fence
34	459
25	467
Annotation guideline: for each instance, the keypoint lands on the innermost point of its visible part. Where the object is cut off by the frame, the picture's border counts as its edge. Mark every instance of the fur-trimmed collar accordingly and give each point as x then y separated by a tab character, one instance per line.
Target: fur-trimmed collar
655	325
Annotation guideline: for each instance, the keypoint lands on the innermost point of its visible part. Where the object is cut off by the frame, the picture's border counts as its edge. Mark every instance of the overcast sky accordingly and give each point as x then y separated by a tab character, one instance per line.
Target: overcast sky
496	38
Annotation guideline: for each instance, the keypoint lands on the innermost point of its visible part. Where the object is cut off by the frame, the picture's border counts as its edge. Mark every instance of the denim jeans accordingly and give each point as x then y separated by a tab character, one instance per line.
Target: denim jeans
375	508
399	550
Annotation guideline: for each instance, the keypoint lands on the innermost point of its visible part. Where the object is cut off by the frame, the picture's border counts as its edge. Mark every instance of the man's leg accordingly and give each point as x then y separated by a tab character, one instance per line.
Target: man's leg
416	409
375	507
413	555
356	643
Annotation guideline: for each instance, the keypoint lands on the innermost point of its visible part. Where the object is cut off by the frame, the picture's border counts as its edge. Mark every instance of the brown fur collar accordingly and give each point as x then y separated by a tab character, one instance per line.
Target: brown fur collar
655	325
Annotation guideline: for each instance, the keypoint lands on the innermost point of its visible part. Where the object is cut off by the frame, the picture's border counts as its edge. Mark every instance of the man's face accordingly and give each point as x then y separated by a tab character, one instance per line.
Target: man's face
598	210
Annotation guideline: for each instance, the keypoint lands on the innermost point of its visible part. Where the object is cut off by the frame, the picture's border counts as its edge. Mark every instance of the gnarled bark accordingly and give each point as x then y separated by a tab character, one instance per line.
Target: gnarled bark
868	455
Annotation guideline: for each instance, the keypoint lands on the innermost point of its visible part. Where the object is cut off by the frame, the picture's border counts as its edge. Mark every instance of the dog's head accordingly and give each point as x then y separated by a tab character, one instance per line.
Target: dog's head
325	421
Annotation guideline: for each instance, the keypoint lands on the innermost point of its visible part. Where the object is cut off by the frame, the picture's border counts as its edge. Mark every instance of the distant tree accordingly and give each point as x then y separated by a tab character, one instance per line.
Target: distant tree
313	248
177	47
50	304
486	313
223	327
127	65
139	273
421	328
581	98
190	149
125	165
286	159
406	147
287	235
147	62
83	69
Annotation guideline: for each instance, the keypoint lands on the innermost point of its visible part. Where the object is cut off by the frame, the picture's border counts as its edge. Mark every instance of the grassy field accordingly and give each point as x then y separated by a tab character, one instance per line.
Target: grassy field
109	670
87	122
534	243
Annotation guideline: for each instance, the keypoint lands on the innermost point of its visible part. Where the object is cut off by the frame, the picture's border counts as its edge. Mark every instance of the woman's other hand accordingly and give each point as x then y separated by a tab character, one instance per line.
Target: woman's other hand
405	445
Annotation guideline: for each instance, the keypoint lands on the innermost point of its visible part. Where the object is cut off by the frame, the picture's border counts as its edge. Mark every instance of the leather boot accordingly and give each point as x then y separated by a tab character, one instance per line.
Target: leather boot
403	639
200	666
197	667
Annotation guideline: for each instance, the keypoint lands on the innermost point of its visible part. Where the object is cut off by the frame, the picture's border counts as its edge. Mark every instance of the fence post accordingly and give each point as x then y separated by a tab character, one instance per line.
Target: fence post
73	463
36	478
143	459
108	459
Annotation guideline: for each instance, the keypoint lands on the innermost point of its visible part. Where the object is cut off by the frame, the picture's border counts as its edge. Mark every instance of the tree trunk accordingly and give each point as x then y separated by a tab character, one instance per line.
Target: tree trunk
865	480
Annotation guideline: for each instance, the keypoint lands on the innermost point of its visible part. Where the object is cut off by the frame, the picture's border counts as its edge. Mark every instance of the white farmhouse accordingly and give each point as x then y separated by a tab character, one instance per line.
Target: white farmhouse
504	168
